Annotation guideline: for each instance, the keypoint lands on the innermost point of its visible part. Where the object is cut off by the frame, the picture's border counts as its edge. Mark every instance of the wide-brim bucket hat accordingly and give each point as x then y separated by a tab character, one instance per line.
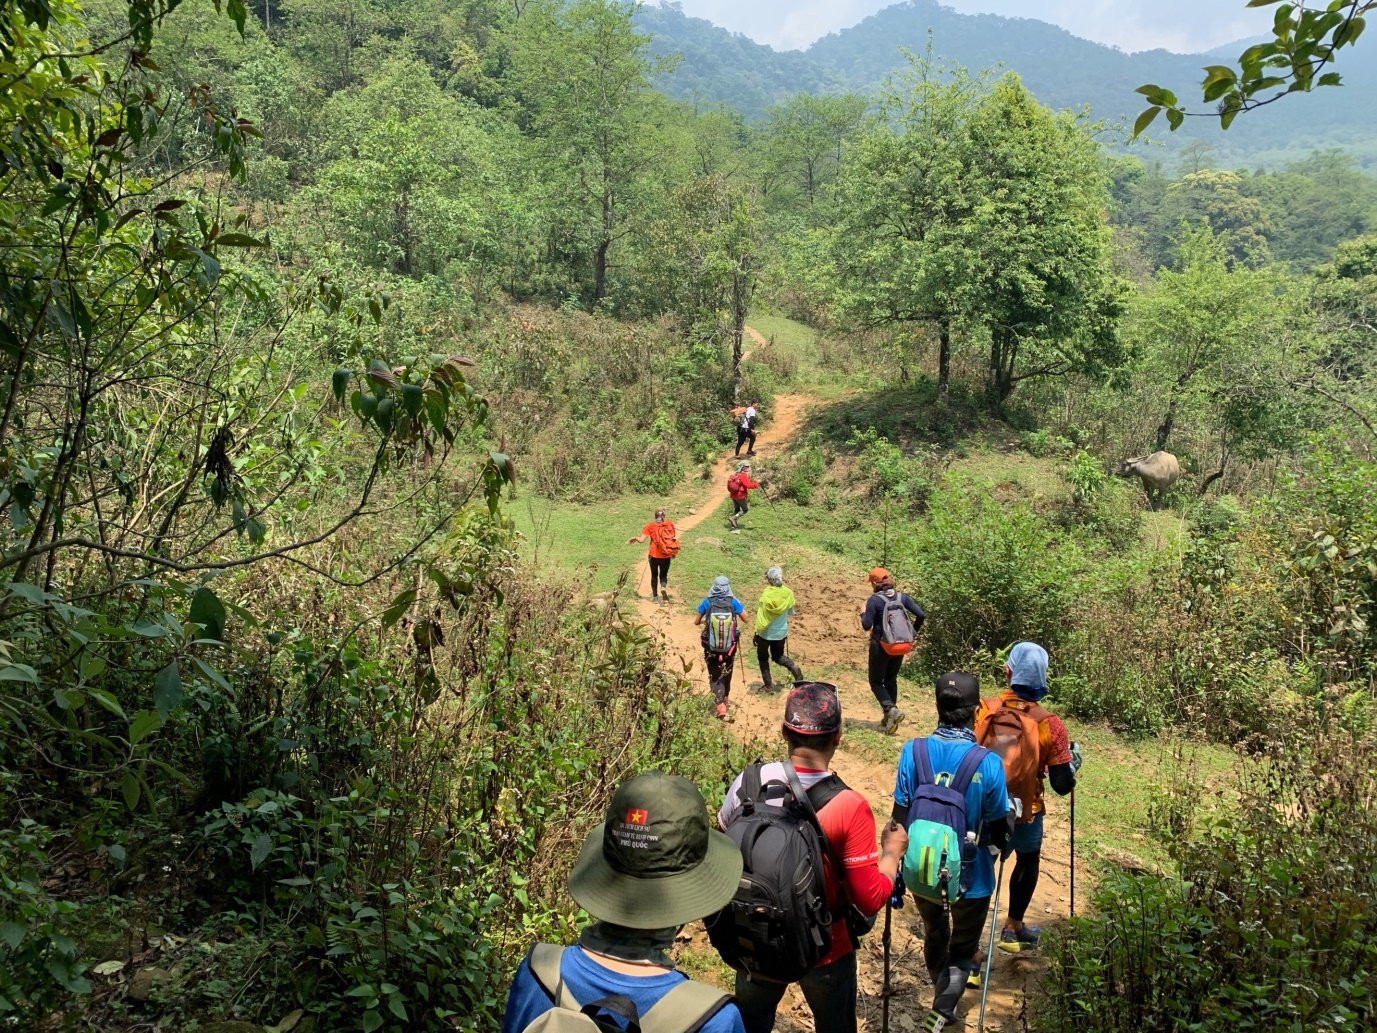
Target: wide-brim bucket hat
655	862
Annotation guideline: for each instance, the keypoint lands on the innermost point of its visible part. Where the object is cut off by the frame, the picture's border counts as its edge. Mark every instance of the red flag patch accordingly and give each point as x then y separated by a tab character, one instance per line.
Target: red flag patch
637	817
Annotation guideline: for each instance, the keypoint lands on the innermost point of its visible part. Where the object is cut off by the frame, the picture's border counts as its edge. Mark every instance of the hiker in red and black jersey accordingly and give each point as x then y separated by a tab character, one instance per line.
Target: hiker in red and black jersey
858	876
664	546
739	486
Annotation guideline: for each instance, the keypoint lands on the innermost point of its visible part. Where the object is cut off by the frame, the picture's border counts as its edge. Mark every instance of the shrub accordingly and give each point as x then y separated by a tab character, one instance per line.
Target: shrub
1270	925
988	573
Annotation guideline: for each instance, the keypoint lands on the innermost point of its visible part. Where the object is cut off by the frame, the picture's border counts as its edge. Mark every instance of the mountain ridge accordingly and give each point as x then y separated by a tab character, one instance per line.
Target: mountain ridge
1062	70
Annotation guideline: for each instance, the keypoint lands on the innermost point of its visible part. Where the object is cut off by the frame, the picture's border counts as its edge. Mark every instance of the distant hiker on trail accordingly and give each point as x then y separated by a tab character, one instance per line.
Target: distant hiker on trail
810	810
652	867
745	428
1031	741
720	614
664	546
772	628
893	620
951	797
739	486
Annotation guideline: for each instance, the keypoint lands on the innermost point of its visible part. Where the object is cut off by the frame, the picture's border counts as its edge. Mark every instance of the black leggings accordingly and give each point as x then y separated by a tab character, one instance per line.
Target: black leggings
950	945
884	675
720	674
659	568
768	649
1022	883
745	437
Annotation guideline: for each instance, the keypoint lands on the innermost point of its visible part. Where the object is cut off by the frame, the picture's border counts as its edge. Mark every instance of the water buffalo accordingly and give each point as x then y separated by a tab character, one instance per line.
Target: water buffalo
1158	472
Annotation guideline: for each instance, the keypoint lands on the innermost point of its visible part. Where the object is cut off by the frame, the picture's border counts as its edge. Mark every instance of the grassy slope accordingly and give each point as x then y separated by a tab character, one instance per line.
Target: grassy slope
588	543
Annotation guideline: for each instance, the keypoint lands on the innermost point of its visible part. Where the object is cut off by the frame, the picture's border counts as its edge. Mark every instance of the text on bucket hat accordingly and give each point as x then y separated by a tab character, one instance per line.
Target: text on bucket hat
655	862
813	708
878	576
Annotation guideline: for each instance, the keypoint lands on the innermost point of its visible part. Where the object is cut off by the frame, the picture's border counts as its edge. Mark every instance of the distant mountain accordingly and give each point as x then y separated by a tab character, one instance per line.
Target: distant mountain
1062	70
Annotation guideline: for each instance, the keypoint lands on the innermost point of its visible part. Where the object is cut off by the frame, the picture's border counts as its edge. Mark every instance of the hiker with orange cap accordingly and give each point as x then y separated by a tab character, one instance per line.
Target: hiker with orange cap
664	546
893	620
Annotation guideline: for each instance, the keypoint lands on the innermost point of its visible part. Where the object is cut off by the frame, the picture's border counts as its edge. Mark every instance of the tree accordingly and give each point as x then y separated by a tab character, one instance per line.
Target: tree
1304	44
984	211
802	140
582	75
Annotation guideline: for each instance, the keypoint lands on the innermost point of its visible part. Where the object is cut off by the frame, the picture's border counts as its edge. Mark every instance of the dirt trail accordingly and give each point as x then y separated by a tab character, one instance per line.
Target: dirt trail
824	634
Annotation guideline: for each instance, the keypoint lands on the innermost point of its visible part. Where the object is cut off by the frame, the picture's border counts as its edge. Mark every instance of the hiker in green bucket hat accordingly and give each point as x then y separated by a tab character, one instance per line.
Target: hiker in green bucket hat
652	866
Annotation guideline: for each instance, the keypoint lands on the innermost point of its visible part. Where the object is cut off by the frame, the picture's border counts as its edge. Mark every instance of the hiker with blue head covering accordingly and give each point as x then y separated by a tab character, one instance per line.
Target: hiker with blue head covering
1033	743
719	615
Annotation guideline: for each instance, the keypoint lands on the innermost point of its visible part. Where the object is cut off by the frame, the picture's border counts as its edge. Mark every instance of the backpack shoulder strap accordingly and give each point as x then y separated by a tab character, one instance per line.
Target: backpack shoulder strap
922	762
751	787
685	1009
545	961
825	790
965	771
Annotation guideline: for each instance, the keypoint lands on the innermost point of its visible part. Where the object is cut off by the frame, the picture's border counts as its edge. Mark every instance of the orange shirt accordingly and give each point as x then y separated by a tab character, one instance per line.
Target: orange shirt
659	532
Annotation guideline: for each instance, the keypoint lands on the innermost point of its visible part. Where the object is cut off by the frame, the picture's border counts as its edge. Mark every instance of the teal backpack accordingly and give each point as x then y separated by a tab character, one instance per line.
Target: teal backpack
941	850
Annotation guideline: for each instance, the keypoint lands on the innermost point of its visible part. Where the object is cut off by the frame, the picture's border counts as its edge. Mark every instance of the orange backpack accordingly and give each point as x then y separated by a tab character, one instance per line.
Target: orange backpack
1011	728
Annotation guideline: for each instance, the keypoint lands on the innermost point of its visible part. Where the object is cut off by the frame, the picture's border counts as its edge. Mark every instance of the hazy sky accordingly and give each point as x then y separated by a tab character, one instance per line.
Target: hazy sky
1185	26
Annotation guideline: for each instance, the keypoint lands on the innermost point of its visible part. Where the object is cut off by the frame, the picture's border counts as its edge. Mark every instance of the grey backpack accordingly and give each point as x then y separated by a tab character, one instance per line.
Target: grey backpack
685	1009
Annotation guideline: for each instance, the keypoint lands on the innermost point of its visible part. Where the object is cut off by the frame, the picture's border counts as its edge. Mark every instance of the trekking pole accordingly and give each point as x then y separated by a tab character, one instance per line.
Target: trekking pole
884	991
990	947
1073	853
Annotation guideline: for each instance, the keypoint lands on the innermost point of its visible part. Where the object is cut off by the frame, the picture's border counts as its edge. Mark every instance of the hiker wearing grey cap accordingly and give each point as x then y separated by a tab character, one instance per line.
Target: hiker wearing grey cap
651	867
739	487
772	628
719	615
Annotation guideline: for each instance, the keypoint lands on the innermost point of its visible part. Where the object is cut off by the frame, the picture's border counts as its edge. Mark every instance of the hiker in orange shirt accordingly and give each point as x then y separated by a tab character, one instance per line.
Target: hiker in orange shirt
664	546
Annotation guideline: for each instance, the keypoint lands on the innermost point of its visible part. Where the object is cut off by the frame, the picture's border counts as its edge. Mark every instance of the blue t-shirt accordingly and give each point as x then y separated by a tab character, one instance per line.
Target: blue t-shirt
987	798
588	981
738	607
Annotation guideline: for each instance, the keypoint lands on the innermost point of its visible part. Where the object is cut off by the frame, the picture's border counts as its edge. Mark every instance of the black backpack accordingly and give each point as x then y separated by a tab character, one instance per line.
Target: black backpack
777	927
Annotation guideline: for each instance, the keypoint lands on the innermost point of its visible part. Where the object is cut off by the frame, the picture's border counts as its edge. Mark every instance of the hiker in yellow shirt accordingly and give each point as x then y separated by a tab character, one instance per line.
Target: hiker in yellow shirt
772	628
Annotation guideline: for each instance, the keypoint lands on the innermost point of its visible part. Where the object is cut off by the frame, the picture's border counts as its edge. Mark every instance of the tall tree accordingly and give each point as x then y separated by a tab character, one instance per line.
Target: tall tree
582	75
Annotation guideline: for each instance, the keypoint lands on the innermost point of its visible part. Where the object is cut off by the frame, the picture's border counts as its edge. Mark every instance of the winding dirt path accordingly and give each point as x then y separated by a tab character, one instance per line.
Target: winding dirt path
823	634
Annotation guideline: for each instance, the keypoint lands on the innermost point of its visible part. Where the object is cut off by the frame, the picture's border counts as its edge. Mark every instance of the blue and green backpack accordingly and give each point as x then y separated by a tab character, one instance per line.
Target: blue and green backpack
940	858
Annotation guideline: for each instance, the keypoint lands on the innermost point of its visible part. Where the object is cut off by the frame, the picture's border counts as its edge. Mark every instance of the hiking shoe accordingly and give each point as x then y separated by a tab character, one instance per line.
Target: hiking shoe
936	1022
973	980
1024	939
721	711
889	724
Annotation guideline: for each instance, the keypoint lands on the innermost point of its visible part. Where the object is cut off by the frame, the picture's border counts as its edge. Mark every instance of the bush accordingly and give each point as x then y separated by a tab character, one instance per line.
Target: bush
988	573
1271	925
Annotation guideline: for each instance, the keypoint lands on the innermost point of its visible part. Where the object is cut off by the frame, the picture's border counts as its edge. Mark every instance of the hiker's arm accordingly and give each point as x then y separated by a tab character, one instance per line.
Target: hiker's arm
637	540
1060	772
918	615
870	882
868	615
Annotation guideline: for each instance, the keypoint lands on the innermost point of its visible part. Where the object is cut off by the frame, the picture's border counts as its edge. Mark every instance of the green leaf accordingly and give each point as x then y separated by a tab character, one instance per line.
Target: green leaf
1145	120
239	240
1262	3
1329	79
371	1021
397	610
413	398
339	382
259	850
1349	32
144	724
107	700
11	934
19	672
167	690
130	790
1175	116
209	612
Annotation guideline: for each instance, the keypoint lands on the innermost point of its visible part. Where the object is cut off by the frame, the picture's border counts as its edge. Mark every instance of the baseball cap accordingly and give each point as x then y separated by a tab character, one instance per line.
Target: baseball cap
655	862
957	689
812	708
878	576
